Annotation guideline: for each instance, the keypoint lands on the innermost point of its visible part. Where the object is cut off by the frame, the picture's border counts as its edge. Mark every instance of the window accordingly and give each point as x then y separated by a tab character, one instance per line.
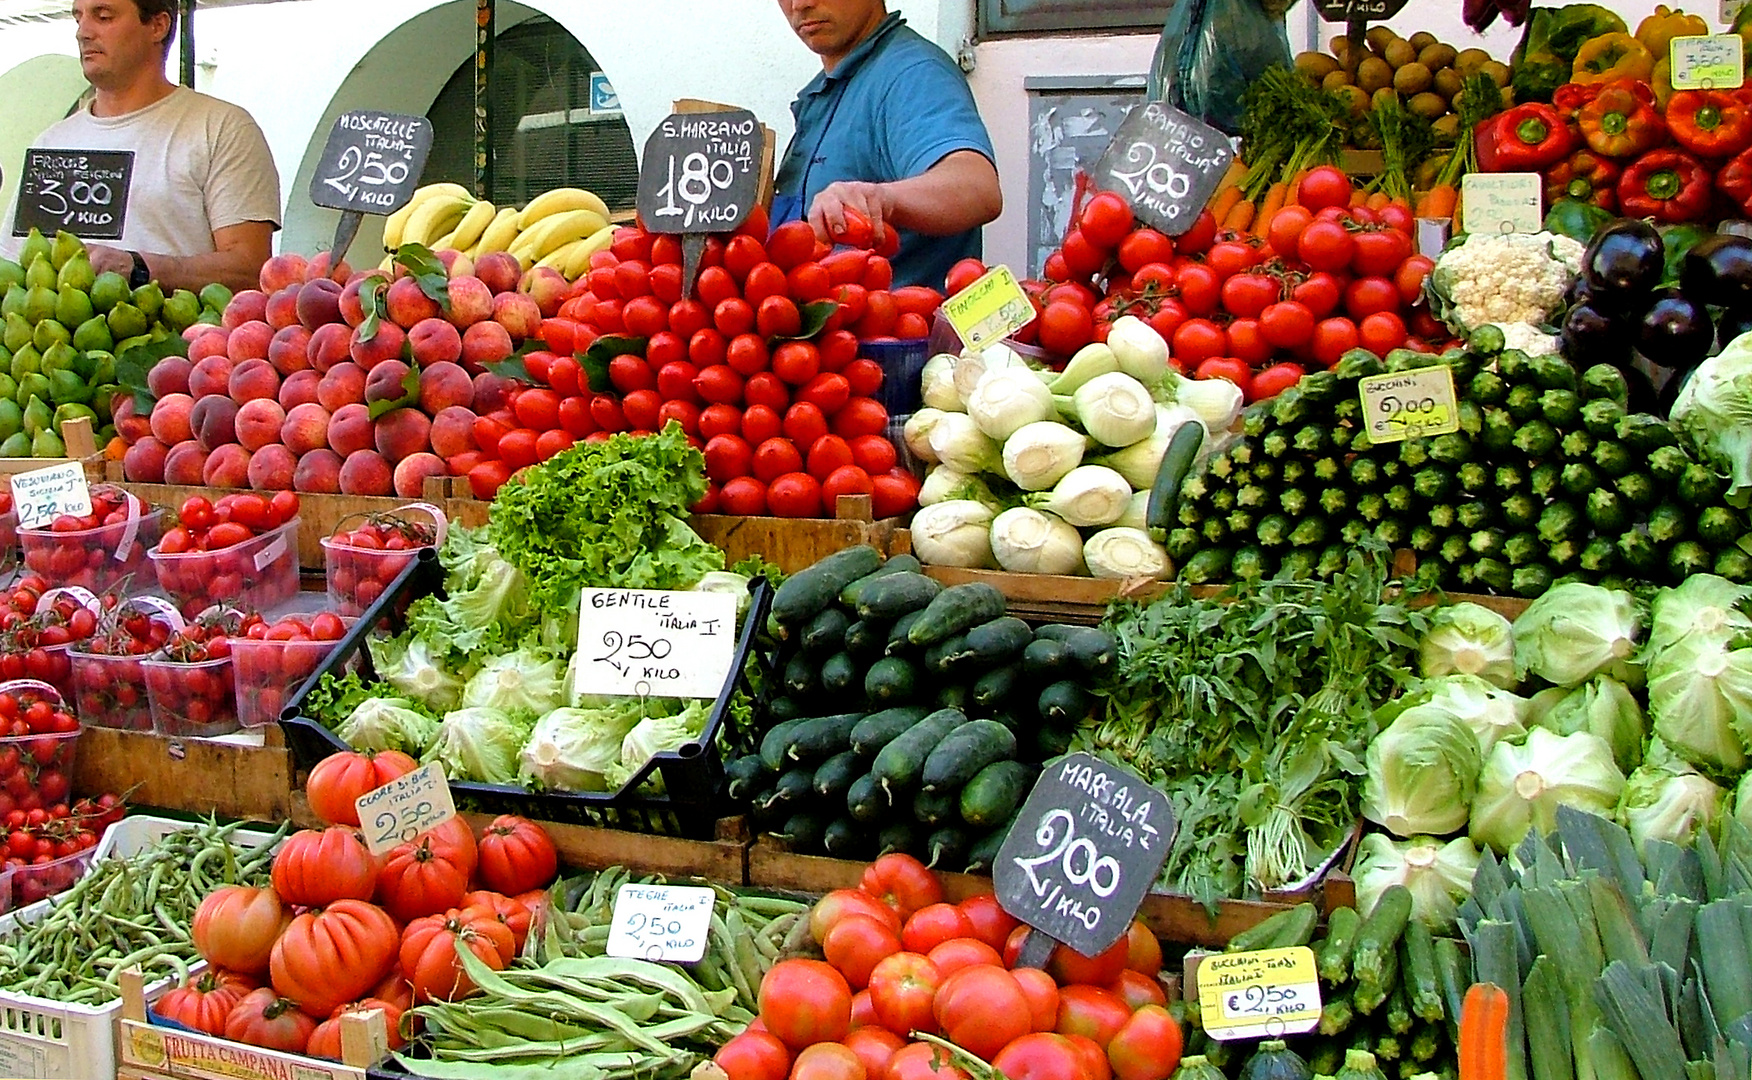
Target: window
1040	16
545	132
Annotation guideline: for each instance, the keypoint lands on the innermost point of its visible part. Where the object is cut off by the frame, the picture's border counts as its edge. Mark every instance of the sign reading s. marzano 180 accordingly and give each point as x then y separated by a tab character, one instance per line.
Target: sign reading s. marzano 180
701	172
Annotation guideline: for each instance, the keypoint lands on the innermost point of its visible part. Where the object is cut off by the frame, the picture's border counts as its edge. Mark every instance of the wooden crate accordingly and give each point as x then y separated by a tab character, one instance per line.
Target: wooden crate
81	446
150	1052
794	543
245	775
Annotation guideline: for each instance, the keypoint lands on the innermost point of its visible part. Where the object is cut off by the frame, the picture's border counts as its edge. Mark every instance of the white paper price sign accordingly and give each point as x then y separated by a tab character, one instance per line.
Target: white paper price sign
661	922
1501	202
993	307
42	495
404	808
1255	995
1707	62
653	643
1402	404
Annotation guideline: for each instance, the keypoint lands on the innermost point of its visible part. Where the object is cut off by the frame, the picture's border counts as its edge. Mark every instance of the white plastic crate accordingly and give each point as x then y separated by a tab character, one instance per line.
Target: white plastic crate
42	1039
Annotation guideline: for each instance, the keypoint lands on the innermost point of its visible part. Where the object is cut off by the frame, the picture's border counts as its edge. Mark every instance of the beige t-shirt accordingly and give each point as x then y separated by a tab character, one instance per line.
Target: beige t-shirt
199	164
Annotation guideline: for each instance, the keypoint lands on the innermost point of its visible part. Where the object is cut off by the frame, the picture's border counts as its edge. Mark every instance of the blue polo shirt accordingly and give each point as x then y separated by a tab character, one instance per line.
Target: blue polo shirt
895	106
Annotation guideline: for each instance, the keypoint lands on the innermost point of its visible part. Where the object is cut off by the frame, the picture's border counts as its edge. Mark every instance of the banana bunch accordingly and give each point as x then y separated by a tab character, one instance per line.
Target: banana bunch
559	229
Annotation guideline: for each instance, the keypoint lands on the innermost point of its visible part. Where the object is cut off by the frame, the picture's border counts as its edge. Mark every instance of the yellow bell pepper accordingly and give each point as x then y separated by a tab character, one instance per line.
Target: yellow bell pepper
1661	82
1658	30
1612	56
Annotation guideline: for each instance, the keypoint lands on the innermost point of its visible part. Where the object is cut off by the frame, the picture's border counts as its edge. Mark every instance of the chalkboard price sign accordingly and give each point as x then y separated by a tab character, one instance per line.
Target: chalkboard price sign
1166	163
1085	848
82	191
371	162
700	172
1358	10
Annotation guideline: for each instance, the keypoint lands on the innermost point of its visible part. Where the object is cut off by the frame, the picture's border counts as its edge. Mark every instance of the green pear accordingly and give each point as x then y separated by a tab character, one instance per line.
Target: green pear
104	397
106	434
94	335
47	444
32	386
108	290
15	445
48	333
72	306
103	366
10	273
25	361
39	304
36	416
181	309
149	298
215	296
125	321
8	387
73	410
58	358
14	300
34	245
39	273
11	419
18	332
65	249
66	386
77	273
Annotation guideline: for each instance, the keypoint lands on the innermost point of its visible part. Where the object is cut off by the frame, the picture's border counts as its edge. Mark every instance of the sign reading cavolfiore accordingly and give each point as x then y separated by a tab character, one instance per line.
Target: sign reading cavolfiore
700	172
404	808
371	162
654	643
82	191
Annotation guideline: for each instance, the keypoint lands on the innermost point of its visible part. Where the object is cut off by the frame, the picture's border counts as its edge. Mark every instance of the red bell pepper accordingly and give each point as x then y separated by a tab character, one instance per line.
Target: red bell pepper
1621	121
1530	138
1734	181
1586	176
1710	123
1569	98
1667	185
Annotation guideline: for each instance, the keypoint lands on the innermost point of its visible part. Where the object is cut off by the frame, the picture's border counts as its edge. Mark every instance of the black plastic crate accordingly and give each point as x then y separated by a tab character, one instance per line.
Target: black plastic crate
693	774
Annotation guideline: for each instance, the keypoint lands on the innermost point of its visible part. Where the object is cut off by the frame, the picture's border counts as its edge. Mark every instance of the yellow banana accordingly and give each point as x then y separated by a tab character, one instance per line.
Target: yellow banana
579	264
500	233
560	200
561	257
448	240
474	223
454	191
555	230
396	223
432	220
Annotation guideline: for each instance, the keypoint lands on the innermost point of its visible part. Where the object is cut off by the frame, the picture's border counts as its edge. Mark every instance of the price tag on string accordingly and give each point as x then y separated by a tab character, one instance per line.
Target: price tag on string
1501	202
1254	995
42	495
1402	404
404	808
82	191
372	161
661	922
1166	163
1707	62
991	309
700	172
654	643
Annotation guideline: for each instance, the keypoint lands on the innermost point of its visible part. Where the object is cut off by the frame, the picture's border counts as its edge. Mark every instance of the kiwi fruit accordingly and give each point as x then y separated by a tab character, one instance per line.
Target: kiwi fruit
1378	38
1436	57
1334	80
1383	98
1497	70
1422	40
1449	82
1427	105
1413	78
1399	53
1468	61
1316	65
1373	74
1354	99
1446	129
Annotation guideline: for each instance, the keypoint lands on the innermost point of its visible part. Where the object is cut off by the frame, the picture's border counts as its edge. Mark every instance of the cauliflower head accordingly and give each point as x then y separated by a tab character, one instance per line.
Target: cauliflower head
1505	279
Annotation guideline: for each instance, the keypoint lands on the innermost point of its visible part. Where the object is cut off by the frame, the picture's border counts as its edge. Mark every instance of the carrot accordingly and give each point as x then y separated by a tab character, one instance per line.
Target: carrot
1271	204
1484	1043
1240	216
1439	201
1224	201
1378	201
1293	196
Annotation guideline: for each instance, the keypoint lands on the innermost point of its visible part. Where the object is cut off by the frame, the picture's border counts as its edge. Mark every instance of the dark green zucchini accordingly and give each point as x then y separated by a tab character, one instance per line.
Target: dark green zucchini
842	839
803	832
948	657
984	852
892	680
825	634
802	676
993	795
966	750
898	836
1066	703
1047	660
834	778
936	808
839	674
878	729
866	801
785	707
900	764
999	641
822	736
954	695
1092	649
776	741
896	564
810	590
865	640
991	689
745	775
893	595
790	790
947	847
896	643
956	610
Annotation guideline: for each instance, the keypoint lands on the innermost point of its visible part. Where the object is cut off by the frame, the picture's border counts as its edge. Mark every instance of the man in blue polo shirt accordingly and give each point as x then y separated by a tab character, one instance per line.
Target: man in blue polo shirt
888	130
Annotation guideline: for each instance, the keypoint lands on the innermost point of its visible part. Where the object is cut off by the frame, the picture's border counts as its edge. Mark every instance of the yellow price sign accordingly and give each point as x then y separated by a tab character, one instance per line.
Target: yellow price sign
1264	994
1707	62
1401	404
992	308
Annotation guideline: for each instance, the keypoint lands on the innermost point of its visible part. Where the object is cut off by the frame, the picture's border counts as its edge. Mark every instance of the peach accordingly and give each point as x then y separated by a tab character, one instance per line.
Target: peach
258	423
319	266
329	346
272	468
411	473
250	305
547	287
518	314
366	473
407	304
485	343
319	302
470	302
212	342
299	388
227	467
169	423
169	376
402	433
490	392
195	330
214	420
453	431
290	349
211	376
456	264
253	379
131	424
185	463
435	341
499	271
350	429
384	382
286	268
249	342
144	461
343	385
386	344
444	385
283	308
306	428
353	308
318	471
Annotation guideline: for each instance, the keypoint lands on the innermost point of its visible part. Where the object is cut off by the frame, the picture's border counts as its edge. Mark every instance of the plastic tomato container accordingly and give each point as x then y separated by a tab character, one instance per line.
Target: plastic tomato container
39	881
194	700
97	559
267	673
256	575
357	576
8	530
111	690
38	764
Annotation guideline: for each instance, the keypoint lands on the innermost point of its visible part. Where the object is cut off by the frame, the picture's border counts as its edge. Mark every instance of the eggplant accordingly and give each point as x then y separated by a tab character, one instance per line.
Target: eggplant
1591	336
1624	261
1676	331
1718	270
1669	392
1731	323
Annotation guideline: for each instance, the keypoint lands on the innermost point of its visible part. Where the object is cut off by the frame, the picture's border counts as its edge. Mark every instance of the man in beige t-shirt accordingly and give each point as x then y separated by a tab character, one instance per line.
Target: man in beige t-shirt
204	198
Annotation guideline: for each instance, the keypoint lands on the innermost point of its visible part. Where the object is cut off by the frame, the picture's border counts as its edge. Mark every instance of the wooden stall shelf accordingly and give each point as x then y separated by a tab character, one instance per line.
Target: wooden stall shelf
243	775
81	446
794	543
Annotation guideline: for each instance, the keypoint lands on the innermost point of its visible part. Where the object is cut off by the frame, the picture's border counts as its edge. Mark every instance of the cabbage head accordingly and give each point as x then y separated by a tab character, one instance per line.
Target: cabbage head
1467	639
1522	786
480	744
1421	773
1703	607
657	733
1714	412
1437	873
407	664
523	679
388	724
1666	799
1576	631
575	749
1491	713
1606	707
1700	695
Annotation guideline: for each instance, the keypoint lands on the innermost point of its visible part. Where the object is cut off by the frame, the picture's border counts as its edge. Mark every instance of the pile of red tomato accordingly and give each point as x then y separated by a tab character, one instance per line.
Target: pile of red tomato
911	984
341	930
1323	277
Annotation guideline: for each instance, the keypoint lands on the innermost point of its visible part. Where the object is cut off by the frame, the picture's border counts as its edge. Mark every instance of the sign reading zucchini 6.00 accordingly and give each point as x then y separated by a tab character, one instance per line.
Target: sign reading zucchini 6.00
1085	848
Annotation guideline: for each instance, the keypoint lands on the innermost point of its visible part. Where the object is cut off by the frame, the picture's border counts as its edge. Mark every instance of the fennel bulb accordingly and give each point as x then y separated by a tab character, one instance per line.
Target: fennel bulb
1091	360
1122	552
1115	409
958	443
917	433
956	532
1026	541
1136	514
1087	495
1140	351
937	384
1008	398
1139	461
1040	454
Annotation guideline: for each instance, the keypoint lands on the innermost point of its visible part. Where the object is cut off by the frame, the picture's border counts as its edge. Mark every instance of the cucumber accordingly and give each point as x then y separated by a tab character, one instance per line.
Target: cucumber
900	836
936	808
1066	703
776	741
836	774
744	776
964	752
893	595
947	847
984	852
843	839
803	832
1176	465
810	590
891	680
1092	649
901	763
995	793
1047	660
801	677
839	673
896	643
998	641
878	729
896	564
864	640
790	790
821	737
956	610
785	707
954	695
865	801
990	689
825	633
949	656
